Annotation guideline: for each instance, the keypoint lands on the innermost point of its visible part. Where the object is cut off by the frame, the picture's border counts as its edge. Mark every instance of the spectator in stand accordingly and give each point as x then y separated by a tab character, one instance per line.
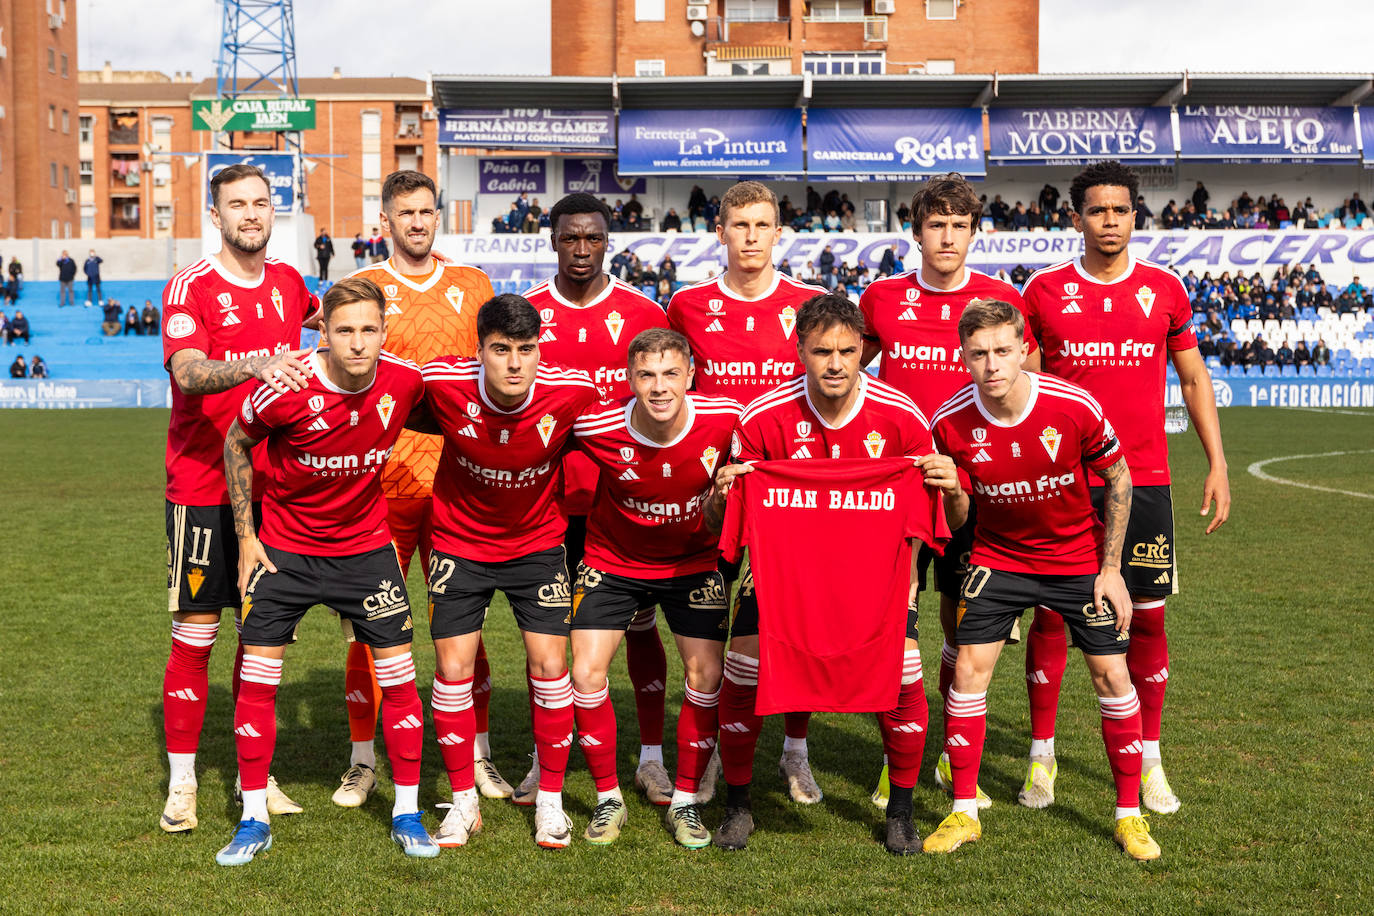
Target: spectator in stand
1019	275
634	209
1035	216
832	221
522	206
92	269
1264	354
665	292
618	216
532	216
18	327
38	368
1357	206
1301	355
1246	355
1168	217
667	269
151	318
620	264
377	248
1226	352
1019	218
888	262
1281	213
359	248
1206	346
696	202
1215	323
1245	201
847	219
1190	283
4	329
1049	198
16	273
785	267
813	200
66	277
671	222
114	318
1200	198
899	266
132	323
1356	288
1284	354
904	217
712	211
1321	353
998	211
18	369
324	253
826	265
634	221
1143	214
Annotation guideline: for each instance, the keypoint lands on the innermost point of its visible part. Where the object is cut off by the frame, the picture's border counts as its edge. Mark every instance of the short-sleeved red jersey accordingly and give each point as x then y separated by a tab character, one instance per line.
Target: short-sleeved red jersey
1028	477
494	493
742	347
595	339
208	309
917	327
1113	339
325	452
647	521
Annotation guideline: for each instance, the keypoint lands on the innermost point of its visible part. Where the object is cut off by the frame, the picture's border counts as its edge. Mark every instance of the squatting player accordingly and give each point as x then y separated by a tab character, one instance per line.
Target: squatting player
834	410
648	544
324	540
230	317
497	525
1108	321
587	319
912	320
741	327
1024	440
431	306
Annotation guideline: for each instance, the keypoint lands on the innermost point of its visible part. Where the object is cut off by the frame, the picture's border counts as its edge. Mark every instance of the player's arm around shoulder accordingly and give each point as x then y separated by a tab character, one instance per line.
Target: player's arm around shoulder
238	474
197	373
1196	384
1116	512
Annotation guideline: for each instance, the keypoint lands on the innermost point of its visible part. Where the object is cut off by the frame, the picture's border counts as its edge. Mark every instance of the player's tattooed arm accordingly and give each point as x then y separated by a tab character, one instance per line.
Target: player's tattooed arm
1116	513
196	373
238	475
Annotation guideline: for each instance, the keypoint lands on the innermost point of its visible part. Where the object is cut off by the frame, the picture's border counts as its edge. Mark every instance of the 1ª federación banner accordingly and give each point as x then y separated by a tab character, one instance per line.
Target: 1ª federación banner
1077	136
527	128
710	141
280	169
1267	133
892	144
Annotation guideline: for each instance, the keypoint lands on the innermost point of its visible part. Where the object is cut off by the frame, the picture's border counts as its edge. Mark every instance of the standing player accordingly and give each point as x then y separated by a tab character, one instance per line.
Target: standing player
648	544
834	410
587	320
497	525
1024	440
741	327
912	320
324	540
1107	321
230	317
431	307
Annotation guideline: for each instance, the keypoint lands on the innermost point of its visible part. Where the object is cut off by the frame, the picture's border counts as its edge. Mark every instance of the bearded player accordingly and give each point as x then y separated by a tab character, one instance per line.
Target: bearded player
834	410
587	320
912	320
1108	321
431	306
741	327
230	318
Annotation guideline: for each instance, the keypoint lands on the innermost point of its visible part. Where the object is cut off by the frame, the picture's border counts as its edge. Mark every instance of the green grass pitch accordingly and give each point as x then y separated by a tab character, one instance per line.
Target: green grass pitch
1267	735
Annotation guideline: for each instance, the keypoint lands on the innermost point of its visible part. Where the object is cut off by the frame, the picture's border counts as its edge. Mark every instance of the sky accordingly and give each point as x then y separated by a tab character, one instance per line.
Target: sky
512	36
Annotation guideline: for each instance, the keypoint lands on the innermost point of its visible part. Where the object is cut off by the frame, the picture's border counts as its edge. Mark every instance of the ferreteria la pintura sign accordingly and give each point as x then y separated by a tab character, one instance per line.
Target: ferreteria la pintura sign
253	114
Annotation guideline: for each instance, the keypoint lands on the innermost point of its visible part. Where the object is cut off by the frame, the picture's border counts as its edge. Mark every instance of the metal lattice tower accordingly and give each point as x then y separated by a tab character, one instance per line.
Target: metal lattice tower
257	55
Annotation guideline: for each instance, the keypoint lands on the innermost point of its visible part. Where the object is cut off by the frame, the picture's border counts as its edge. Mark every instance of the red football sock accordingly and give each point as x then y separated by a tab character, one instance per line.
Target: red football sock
696	736
648	666
1148	659
796	724
481	689
949	655
255	720
403	719
235	682
595	719
553	727
1047	655
739	724
362	694
904	728
1121	735
186	683
966	726
451	703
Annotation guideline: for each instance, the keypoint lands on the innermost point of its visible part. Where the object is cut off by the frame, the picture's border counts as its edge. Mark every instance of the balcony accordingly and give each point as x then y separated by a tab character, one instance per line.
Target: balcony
832	33
749	31
410	131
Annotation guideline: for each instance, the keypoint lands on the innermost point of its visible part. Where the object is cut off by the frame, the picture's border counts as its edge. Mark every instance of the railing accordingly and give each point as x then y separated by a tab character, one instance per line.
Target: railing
410	132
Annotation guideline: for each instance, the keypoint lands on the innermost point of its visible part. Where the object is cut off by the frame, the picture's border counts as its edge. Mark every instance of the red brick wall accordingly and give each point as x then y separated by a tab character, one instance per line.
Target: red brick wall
32	88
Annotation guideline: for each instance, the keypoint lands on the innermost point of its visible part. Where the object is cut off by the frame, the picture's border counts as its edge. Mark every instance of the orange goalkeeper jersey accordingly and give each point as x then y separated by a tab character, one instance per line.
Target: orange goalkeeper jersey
426	317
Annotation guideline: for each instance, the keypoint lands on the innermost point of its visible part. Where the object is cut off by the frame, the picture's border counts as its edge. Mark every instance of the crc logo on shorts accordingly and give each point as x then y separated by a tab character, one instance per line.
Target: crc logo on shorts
710	597
388	600
1155	554
588	578
181	325
1104	618
557	594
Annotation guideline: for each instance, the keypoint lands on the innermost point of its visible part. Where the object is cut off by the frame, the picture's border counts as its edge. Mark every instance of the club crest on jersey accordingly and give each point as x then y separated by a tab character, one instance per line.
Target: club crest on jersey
546	425
352	418
546	315
1016	450
715	305
944	313
1146	297
749	323
1070	290
385	405
980	434
834	451
627	453
1106	305
804	431
581	335
708	460
505	436
454	295
875	444
912	294
1050	438
667	469
788	318
227	309
392	292
474	410
316	403
277	303
180	325
615	324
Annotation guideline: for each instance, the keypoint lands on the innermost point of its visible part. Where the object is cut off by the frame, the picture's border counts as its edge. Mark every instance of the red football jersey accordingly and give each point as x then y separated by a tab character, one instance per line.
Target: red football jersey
494	493
831	563
325	452
647	521
883	423
1113	338
593	338
1034	513
917	327
205	308
742	347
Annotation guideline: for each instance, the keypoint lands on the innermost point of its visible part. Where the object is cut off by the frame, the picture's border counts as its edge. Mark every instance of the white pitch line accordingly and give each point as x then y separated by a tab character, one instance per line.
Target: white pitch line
1348	413
1257	469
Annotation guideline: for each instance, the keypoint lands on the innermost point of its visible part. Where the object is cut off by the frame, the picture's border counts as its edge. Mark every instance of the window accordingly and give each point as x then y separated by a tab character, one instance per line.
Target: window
67	230
66	176
649	68
65	71
751	10
835	10
649	10
372	166
52	61
372	206
162	173
372	123
939	67
87	219
942	9
86	169
124	127
52	117
162	134
54	234
162	216
85	126
52	174
66	121
844	63
749	68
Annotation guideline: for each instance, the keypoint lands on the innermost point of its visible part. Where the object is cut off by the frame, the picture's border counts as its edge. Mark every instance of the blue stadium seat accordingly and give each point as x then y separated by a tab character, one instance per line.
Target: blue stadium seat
1271	372
1308	313
1307	371
1324	372
1213	362
1343	354
1289	371
1367	362
1236	371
